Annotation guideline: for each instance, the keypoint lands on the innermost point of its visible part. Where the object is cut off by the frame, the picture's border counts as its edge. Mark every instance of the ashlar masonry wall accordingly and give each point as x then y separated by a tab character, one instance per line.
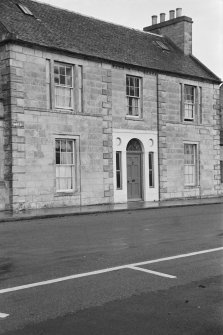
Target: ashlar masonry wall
5	130
174	132
142	127
35	126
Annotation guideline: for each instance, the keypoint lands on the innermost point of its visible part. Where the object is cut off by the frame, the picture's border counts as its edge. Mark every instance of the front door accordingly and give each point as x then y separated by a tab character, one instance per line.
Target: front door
134	176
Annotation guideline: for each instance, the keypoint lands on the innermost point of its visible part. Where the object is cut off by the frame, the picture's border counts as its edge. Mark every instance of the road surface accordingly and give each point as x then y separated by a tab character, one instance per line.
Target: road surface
136	272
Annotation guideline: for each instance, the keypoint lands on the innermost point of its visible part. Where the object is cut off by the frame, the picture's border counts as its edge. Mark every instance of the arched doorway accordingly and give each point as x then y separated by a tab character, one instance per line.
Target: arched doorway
134	170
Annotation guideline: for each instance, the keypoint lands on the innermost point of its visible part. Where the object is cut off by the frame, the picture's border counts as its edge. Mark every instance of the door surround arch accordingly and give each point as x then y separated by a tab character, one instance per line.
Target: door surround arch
148	141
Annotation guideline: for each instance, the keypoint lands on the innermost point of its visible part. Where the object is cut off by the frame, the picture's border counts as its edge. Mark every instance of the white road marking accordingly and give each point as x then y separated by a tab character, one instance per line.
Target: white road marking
195	253
3	315
86	274
150	271
57	280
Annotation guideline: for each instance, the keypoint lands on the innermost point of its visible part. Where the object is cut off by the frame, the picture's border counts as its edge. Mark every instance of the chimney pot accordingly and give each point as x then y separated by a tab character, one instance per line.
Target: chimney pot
178	12
162	17
154	19
172	14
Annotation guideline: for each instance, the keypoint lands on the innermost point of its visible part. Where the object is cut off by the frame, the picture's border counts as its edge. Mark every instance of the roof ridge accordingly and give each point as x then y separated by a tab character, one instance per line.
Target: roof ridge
94	18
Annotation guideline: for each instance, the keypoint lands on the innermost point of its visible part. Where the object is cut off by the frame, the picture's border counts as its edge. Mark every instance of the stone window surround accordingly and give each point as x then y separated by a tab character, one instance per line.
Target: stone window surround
77	94
76	190
197	118
197	165
138	97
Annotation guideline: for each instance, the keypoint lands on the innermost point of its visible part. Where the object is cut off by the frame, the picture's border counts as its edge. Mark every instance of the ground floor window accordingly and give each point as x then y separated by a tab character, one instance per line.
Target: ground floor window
221	167
190	164
151	169
118	170
65	164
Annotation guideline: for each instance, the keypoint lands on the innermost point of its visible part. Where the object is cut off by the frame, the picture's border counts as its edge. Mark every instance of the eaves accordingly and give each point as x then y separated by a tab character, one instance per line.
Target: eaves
12	38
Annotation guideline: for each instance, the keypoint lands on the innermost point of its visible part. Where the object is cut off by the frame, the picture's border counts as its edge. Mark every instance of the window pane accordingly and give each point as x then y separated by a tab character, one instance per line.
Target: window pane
133	94
69	71
62	70
68	81
64	164
189	102
118	179
56	80
56	69
63	79
117	160
69	146
190	168
63	97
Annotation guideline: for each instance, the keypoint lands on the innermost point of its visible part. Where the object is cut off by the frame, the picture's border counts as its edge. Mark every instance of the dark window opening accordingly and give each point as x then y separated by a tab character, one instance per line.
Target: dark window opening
221	167
151	170
118	170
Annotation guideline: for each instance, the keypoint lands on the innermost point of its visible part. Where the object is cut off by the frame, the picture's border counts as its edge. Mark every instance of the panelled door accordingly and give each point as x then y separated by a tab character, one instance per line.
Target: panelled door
134	176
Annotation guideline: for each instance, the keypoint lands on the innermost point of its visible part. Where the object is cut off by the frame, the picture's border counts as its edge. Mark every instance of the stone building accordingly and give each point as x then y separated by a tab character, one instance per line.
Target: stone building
221	132
92	112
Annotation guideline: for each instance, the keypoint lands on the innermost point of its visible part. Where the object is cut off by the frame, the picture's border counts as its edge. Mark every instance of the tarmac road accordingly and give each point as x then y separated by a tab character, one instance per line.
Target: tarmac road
177	289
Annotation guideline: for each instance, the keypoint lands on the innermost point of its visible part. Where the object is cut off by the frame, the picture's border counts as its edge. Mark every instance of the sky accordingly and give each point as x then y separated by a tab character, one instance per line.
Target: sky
207	16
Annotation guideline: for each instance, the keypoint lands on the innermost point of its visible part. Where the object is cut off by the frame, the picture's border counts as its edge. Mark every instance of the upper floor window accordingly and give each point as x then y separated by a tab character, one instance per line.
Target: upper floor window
64	86
133	88
63	82
189	102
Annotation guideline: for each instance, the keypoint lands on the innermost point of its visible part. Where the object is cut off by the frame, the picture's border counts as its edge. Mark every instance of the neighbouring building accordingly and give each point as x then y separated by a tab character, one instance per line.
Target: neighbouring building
221	132
94	113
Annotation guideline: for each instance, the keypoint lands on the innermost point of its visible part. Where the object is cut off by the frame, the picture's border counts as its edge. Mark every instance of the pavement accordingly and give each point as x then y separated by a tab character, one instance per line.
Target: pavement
43	213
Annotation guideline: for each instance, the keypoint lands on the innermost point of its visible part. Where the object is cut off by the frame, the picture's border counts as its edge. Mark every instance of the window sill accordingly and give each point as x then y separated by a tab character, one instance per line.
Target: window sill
188	121
65	193
133	118
186	187
64	109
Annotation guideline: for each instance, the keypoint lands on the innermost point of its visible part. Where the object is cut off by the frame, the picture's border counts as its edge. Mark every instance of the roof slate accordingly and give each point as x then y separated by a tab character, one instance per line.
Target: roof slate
61	29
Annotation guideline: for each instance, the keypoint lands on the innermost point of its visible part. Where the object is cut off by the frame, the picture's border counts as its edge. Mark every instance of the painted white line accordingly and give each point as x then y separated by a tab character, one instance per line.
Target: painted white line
3	315
57	280
151	272
195	253
86	274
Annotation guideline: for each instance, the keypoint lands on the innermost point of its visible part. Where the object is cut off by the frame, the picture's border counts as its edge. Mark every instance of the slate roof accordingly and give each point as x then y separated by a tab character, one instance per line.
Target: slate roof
62	29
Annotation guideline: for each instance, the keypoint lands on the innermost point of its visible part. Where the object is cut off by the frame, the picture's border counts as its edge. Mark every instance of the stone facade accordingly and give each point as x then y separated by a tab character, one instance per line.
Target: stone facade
174	132
31	129
29	126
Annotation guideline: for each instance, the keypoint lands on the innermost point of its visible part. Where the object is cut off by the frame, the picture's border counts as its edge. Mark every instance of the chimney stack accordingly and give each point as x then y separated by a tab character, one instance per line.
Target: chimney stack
172	14
162	17
178	29
178	12
154	19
